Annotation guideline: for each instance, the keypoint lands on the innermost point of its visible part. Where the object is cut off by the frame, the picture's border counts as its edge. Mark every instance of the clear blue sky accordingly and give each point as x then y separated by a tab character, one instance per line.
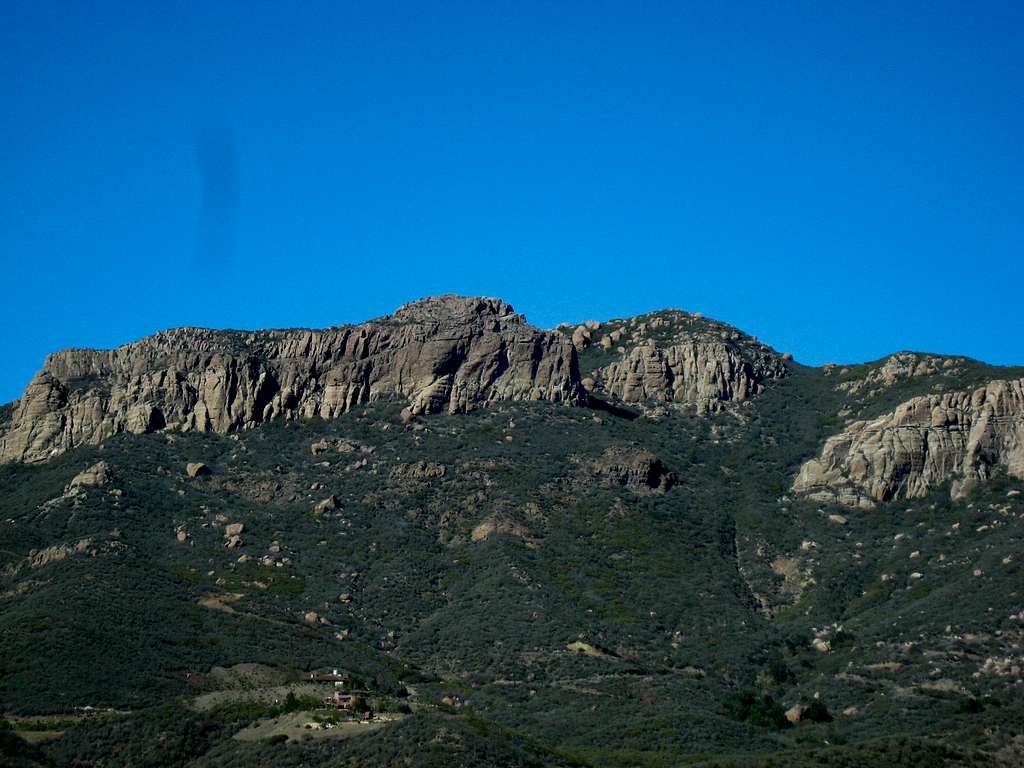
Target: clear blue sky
842	180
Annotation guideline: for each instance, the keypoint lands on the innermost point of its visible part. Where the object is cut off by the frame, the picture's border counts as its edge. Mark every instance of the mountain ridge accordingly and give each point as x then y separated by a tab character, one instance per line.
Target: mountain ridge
452	354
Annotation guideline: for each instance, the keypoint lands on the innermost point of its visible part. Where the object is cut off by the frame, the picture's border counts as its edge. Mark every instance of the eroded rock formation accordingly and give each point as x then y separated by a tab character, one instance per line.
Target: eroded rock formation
960	436
703	373
444	354
634	468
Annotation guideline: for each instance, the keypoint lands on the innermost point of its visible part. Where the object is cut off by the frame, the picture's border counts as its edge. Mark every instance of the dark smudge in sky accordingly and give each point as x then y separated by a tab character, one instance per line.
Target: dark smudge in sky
217	163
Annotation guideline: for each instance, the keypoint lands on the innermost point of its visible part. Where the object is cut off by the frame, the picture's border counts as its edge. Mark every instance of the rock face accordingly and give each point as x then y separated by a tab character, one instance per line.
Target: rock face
97	474
444	354
961	436
634	468
683	358
705	374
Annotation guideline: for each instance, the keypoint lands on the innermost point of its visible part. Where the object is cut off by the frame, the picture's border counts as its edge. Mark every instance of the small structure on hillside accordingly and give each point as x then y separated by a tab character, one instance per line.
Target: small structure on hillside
341	700
334	676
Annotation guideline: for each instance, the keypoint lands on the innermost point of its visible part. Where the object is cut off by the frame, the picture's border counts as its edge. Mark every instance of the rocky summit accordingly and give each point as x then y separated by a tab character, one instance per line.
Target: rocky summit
445	354
448	537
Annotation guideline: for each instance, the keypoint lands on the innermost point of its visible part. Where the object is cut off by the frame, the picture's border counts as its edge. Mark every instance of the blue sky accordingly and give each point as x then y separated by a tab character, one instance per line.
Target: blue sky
841	180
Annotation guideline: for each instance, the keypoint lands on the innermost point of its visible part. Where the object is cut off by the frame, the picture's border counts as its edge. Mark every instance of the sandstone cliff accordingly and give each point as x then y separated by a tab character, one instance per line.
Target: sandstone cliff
445	354
961	436
682	358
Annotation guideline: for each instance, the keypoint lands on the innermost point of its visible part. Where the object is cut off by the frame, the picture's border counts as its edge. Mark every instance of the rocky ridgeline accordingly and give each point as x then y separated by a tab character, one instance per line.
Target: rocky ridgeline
959	436
444	354
679	357
897	368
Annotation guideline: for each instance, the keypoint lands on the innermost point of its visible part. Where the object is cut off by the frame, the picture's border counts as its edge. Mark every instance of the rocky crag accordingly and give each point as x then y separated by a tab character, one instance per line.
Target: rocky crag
963	437
445	354
679	358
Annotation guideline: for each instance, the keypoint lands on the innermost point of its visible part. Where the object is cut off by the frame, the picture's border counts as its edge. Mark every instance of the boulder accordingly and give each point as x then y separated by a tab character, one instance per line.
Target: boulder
197	469
419	470
795	714
97	475
234	529
327	505
581	337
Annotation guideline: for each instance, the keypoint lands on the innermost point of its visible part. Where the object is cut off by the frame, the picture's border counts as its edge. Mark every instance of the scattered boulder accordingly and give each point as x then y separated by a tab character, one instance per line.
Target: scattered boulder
234	529
837	519
796	713
327	505
234	542
319	447
197	469
419	470
181	536
586	649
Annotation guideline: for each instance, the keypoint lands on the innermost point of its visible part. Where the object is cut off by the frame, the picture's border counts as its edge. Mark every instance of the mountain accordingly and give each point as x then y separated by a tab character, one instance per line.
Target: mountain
649	541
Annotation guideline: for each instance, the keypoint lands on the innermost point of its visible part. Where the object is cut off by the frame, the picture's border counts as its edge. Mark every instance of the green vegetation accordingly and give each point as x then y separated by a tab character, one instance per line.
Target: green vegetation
708	605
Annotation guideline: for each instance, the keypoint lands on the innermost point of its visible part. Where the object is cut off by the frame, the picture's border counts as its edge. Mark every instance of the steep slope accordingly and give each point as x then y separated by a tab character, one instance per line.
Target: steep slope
440	354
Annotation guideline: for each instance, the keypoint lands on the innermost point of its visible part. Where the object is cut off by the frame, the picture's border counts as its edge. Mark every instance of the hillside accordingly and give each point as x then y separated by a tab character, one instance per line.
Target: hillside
600	545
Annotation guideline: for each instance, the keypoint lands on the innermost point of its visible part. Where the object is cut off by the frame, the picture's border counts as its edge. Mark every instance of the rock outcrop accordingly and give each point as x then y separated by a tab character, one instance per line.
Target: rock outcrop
683	358
959	436
634	468
445	354
98	474
897	368
419	470
197	469
700	373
